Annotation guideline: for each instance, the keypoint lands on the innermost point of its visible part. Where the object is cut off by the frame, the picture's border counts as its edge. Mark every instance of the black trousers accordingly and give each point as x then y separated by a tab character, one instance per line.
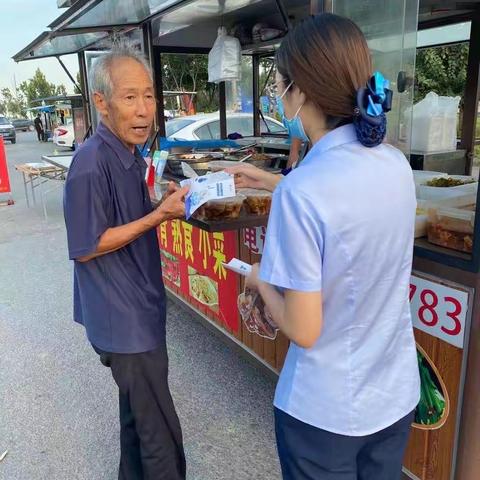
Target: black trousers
150	433
309	453
40	135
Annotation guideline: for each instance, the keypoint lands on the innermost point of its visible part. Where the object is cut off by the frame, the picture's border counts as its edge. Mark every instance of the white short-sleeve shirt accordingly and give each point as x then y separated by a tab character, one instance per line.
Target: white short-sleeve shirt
343	223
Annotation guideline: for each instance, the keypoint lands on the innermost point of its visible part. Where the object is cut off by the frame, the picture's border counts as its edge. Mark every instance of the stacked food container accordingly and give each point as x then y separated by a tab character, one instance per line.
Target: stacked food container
446	209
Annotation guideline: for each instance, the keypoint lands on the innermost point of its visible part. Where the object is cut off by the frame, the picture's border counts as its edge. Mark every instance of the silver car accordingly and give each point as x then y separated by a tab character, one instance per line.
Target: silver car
7	130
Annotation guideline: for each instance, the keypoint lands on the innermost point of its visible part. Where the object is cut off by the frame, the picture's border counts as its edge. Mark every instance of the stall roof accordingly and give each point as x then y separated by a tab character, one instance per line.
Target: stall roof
58	98
176	22
103	13
41	108
107	13
50	44
195	24
110	13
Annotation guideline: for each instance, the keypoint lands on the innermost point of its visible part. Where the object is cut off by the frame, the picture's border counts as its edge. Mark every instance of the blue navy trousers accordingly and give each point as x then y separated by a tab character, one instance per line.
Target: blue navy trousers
309	453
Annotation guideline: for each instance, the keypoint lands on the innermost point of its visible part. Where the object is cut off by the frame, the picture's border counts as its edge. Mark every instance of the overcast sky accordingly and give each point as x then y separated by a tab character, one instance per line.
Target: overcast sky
21	21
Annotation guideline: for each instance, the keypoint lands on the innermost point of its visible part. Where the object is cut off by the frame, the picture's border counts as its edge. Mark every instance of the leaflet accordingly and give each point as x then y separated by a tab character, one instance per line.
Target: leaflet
206	188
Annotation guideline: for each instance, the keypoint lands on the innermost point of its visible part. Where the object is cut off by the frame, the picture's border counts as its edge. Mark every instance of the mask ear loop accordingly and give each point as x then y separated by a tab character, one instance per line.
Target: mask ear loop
298	111
286	90
283	94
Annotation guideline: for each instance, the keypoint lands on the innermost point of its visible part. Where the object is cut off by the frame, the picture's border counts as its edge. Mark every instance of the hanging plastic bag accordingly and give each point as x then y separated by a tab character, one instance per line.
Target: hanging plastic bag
224	59
434	123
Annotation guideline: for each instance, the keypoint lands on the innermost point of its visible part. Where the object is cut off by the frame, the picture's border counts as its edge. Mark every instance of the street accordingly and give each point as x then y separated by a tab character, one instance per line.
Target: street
59	405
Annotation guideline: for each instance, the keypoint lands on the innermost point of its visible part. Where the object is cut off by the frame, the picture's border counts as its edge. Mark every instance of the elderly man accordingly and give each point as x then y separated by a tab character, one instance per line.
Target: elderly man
119	295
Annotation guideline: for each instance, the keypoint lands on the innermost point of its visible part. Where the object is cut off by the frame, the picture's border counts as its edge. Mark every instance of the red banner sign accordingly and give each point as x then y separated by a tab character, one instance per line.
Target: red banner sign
4	179
192	263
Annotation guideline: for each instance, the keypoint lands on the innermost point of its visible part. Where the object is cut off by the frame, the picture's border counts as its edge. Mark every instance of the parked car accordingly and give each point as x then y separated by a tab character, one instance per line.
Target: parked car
63	136
7	130
206	126
23	124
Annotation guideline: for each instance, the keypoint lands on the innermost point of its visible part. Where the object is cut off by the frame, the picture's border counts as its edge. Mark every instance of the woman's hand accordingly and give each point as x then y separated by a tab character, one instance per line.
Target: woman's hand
249	176
253	281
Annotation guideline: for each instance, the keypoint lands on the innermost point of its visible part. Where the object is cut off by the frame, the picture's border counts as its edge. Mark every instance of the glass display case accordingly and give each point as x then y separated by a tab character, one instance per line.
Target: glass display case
390	27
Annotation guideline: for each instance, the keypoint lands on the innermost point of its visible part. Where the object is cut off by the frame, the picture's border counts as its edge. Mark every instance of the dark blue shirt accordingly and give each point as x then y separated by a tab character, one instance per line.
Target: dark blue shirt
119	297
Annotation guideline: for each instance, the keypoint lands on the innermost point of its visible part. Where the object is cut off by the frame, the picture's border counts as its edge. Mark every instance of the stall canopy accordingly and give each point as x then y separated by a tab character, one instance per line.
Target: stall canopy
42	108
177	22
195	24
87	22
59	98
110	13
54	44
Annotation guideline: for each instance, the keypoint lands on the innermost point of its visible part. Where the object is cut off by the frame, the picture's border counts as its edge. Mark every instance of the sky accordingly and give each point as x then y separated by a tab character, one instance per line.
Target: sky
21	21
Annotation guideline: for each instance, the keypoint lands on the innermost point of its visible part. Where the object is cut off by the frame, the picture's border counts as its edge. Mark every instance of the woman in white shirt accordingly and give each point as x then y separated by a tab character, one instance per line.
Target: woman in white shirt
336	267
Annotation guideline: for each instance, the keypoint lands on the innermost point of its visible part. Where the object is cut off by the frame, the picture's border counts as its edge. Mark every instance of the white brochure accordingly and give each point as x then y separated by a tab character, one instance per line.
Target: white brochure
206	188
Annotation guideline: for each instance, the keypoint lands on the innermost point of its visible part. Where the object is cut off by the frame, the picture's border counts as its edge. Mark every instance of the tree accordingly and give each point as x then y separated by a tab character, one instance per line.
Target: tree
12	103
60	89
39	87
189	73
442	70
79	83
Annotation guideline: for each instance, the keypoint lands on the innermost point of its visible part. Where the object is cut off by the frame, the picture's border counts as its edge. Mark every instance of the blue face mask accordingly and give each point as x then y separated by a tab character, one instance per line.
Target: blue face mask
294	125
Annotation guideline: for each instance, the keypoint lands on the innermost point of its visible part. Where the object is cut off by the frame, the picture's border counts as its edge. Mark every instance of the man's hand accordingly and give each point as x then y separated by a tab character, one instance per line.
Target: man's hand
173	205
172	188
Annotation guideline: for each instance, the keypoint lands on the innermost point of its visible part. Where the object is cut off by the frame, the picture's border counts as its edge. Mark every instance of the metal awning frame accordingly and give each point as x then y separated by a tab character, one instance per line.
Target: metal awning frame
43	38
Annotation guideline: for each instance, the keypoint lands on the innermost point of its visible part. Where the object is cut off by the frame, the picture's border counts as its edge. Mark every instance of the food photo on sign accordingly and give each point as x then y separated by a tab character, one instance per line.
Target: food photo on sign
434	405
203	289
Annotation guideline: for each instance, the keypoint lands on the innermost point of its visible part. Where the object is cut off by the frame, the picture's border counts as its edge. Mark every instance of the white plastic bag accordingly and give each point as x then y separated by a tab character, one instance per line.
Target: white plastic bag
224	59
434	123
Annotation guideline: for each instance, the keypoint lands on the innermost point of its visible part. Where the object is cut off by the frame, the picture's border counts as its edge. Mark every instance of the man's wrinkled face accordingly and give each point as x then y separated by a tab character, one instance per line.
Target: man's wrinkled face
130	111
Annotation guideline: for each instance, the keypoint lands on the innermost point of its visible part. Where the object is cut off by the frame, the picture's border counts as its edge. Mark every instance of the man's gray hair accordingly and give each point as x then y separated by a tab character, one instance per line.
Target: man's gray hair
100	72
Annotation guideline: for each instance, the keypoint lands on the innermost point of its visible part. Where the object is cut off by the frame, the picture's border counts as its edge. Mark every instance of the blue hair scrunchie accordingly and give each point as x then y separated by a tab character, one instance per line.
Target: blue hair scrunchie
369	117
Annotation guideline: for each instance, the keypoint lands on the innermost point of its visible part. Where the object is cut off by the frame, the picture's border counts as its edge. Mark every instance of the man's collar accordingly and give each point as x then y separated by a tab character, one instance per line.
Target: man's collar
123	153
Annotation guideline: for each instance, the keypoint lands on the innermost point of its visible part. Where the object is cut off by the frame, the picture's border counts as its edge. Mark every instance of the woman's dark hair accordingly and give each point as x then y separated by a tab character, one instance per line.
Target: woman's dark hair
327	58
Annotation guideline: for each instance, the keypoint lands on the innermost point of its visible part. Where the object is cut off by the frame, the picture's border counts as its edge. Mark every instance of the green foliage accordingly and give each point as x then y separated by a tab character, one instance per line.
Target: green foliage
39	87
189	73
12	103
79	83
442	70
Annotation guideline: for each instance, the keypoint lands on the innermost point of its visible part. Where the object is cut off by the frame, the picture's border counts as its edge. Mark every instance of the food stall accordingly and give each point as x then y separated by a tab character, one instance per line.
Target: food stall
444	301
